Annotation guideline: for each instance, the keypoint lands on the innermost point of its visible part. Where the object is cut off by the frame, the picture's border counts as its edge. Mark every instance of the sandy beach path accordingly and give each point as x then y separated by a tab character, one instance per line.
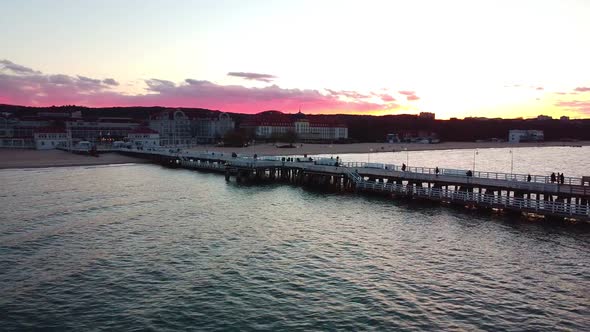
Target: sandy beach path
13	158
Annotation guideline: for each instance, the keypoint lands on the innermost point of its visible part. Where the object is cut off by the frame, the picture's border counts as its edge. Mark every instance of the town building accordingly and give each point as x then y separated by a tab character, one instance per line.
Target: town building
18	132
211	129
143	137
413	136
51	138
101	130
187	127
275	124
426	115
544	117
519	135
392	138
173	126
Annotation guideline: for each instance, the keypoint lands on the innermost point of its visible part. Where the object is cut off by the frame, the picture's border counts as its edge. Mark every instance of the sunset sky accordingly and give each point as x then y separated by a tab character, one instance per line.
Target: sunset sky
454	58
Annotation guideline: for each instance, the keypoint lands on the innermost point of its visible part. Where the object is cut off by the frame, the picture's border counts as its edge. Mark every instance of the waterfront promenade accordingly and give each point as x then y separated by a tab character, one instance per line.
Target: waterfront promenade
513	193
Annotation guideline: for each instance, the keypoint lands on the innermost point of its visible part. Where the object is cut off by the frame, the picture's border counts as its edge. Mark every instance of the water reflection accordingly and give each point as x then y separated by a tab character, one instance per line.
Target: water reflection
147	247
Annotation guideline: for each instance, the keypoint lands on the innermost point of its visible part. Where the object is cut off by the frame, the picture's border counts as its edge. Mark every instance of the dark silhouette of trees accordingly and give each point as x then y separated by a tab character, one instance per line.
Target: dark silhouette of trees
237	138
361	128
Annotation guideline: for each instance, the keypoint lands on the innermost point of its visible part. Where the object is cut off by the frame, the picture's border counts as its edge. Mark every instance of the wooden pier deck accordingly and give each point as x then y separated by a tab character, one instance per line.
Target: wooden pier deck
483	190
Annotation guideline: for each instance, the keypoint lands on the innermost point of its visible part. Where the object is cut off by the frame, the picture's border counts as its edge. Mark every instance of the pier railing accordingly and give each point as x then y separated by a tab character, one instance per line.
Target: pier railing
463	173
574	185
354	176
202	165
498	201
358	172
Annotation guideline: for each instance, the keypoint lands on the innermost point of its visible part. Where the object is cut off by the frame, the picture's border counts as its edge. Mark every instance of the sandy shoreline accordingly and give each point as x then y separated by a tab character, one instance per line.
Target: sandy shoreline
13	158
315	149
16	158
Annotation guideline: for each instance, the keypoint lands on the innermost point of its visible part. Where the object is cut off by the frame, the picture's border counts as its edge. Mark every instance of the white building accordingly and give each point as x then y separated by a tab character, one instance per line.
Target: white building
174	127
313	128
51	138
518	135
144	138
101	130
188	127
212	129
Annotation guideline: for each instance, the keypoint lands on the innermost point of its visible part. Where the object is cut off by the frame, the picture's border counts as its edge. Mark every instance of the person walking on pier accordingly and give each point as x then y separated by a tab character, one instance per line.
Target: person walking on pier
436	171
528	178
553	177
403	167
562	178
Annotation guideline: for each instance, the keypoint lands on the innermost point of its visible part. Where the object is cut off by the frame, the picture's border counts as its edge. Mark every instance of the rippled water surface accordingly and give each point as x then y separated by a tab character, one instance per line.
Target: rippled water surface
136	247
572	161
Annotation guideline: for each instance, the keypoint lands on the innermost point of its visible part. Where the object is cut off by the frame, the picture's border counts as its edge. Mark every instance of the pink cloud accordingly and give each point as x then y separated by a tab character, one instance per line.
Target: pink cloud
386	98
253	76
580	106
407	93
582	89
25	86
410	95
348	94
15	68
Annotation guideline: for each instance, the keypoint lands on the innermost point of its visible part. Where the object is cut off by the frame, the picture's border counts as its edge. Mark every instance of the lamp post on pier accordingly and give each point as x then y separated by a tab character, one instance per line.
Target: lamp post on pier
475	153
511	161
407	157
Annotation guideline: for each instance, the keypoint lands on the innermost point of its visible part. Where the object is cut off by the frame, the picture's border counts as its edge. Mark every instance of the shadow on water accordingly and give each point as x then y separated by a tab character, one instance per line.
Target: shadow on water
428	208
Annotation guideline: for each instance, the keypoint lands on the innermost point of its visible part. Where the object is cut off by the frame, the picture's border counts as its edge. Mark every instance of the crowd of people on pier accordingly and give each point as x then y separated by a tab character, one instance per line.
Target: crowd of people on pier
559	178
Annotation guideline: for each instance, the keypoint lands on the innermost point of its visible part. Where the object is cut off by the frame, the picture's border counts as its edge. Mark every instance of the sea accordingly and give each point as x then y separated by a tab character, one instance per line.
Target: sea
140	247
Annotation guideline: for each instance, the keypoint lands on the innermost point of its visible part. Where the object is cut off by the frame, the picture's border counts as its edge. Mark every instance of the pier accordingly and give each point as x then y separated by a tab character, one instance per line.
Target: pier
504	192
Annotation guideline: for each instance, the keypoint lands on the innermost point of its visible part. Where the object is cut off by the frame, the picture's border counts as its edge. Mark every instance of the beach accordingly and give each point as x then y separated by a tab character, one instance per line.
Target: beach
20	158
272	149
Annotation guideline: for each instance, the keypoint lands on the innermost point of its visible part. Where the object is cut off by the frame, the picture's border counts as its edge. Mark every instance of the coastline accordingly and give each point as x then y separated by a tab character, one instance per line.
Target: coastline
21	158
267	149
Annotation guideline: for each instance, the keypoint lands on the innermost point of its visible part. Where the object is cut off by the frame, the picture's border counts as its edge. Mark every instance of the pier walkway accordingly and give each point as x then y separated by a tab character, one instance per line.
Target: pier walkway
486	190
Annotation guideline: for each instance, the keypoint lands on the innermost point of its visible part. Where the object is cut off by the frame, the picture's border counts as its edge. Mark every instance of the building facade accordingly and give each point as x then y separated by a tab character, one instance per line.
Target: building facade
185	127
174	127
51	138
101	130
212	129
427	115
519	135
274	124
19	132
144	138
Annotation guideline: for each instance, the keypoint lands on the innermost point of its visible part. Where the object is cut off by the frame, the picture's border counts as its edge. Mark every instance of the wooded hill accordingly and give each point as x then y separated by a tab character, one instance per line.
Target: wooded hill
361	128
